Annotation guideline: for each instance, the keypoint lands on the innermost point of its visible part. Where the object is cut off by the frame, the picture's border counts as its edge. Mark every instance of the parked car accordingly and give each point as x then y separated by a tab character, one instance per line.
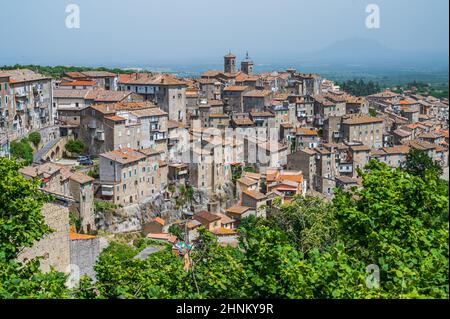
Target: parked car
85	160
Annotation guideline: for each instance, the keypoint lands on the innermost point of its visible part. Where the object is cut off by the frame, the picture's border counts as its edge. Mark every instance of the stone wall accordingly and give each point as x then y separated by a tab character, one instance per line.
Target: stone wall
84	254
54	247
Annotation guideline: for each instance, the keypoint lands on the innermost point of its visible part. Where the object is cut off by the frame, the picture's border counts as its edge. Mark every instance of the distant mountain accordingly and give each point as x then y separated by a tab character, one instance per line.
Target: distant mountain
368	52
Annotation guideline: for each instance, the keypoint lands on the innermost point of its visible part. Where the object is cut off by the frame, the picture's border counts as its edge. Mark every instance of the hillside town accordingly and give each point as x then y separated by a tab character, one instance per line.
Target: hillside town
161	152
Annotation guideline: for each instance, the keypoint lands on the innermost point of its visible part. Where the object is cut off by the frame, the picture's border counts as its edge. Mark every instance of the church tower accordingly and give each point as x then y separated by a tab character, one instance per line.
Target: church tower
229	63
247	65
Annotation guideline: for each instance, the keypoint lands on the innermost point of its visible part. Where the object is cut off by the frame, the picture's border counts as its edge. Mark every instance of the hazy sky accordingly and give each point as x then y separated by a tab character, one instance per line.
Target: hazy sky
166	31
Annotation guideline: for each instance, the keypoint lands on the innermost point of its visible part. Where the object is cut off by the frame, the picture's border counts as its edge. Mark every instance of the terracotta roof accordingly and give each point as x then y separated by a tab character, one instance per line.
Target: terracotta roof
163	236
154	111
261	114
305	131
243	122
102	95
75	236
399	149
23	75
223	231
235	88
362	119
238	209
420	145
98	74
360	148
258	93
252	175
81	178
150	151
247	181
159	220
430	135
78	83
123	156
206	217
70	93
254	194
171	124
150	79
122	106
218	115
115	118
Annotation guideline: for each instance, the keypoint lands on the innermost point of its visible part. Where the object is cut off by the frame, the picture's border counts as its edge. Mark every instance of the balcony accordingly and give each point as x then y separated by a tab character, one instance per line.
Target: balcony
100	135
172	141
183	172
92	125
21	94
346	168
107	190
43	113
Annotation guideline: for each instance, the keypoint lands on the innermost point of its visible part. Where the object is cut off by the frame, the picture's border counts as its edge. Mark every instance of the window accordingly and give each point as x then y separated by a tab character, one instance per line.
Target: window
124	187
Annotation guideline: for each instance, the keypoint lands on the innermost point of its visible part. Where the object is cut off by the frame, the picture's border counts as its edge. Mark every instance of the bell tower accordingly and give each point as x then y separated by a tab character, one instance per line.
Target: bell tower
229	63
247	65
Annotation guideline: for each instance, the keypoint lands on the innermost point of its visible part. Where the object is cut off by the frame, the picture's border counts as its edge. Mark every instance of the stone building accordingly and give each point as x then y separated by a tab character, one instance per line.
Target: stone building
233	97
247	65
257	101
138	125
66	183
25	106
128	176
167	91
229	63
364	129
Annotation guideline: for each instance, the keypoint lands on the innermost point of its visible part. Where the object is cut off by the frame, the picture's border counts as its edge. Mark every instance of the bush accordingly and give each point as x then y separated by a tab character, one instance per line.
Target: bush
35	138
94	173
106	207
22	150
75	146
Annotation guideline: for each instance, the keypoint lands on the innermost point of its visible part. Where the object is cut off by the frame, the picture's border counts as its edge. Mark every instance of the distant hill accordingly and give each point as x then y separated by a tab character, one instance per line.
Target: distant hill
368	52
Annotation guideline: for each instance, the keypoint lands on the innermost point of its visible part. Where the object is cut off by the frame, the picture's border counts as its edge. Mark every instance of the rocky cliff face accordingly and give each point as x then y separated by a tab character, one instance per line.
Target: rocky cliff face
131	218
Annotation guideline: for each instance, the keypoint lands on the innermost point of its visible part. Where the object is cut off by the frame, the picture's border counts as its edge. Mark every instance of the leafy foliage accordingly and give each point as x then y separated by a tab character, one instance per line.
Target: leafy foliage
35	138
21	224
58	71
360	87
22	150
418	163
75	146
399	222
21	220
105	207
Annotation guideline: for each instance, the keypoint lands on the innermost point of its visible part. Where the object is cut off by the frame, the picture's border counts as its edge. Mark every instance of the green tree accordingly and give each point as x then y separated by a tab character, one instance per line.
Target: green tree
309	222
399	222
120	275
22	150
75	147
21	225
21	220
35	138
418	163
216	271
